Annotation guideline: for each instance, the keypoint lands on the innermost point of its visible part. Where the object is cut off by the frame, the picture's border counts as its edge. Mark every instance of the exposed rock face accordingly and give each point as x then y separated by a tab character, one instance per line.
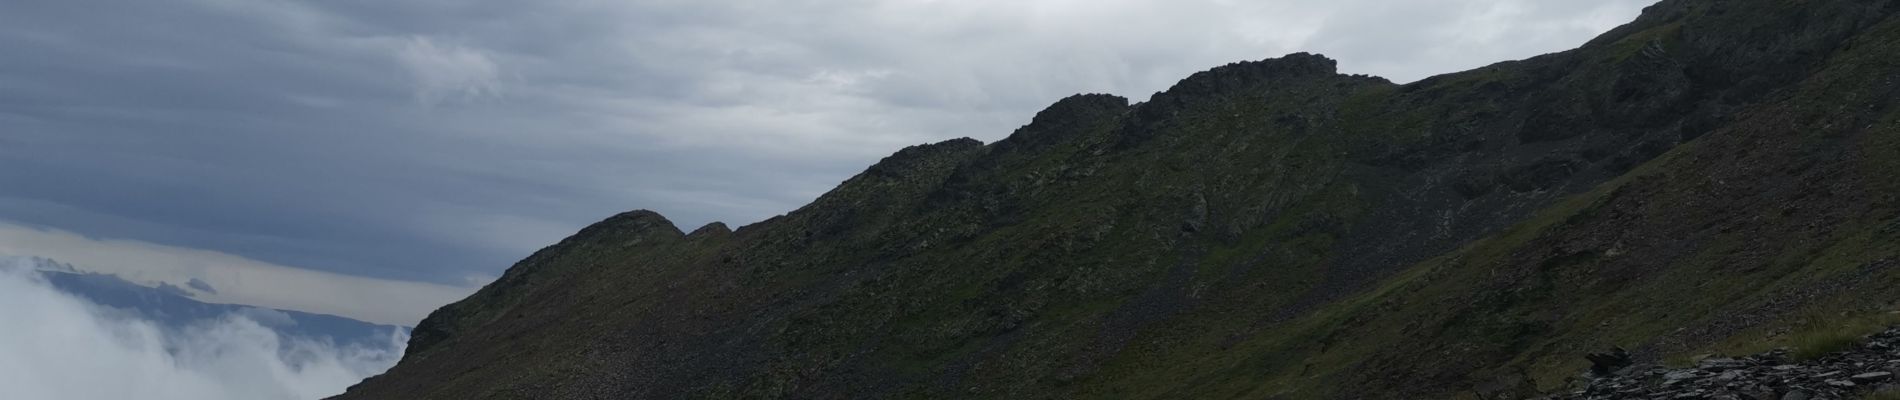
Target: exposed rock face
1267	229
711	229
1864	370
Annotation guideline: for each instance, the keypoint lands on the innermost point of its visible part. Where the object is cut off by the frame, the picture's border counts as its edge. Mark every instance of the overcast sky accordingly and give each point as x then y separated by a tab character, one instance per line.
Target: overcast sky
435	142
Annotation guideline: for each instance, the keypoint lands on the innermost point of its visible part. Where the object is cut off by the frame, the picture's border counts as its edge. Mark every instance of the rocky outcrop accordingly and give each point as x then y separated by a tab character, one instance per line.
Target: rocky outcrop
1864	370
710	230
1063	121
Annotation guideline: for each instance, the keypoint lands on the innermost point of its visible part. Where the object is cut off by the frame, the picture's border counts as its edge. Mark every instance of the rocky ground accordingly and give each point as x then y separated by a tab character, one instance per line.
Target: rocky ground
1864	371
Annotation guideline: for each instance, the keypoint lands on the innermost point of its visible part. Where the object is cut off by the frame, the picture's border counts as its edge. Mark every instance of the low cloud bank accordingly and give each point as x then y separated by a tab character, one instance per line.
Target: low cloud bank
58	346
233	279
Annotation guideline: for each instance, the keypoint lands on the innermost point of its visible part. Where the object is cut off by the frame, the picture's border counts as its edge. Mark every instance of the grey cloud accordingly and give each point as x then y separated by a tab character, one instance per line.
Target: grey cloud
171	289
201	285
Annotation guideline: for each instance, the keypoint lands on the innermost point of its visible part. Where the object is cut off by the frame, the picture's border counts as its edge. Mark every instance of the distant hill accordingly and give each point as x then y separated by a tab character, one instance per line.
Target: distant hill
1714	177
174	307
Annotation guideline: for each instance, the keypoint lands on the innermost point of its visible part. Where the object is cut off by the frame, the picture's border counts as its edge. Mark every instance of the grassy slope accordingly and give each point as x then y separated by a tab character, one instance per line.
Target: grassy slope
1262	230
1781	224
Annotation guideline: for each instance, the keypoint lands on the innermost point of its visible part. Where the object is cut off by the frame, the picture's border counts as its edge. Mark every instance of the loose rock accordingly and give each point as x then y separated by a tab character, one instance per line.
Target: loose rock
1850	374
1872	377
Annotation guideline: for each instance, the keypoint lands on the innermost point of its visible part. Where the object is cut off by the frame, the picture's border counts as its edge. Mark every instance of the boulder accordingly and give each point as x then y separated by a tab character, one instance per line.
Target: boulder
1872	377
1721	364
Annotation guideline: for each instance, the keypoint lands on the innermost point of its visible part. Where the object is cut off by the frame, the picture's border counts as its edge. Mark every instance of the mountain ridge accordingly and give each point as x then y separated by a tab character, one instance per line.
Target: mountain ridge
1262	229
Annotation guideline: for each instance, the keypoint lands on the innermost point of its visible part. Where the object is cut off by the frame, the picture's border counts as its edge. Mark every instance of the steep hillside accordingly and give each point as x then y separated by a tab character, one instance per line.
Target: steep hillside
1709	177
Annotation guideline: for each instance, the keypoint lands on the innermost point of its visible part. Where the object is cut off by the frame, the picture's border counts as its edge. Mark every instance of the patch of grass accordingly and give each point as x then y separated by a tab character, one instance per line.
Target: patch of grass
1823	336
1664	36
1882	152
1885	395
1814	345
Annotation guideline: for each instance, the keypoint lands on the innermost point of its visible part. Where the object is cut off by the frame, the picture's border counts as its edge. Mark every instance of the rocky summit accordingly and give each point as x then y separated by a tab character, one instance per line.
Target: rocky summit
1867	370
1715	177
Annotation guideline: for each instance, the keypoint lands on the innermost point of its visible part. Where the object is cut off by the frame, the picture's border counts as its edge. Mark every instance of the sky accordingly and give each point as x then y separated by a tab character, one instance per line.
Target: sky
376	159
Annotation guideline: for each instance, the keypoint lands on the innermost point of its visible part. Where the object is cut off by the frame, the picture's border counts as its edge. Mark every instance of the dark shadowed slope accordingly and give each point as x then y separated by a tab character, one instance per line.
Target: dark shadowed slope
1702	178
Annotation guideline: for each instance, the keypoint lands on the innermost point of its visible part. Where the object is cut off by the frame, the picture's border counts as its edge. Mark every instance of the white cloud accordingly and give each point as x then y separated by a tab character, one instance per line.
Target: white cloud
238	280
448	72
60	347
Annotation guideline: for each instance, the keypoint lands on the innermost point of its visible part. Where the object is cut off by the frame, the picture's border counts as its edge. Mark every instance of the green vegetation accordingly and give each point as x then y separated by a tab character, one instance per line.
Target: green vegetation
1886	395
1815	344
1657	41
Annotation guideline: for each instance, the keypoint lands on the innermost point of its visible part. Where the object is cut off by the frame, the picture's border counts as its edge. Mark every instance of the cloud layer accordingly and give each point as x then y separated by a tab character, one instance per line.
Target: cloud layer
224	278
440	141
60	347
